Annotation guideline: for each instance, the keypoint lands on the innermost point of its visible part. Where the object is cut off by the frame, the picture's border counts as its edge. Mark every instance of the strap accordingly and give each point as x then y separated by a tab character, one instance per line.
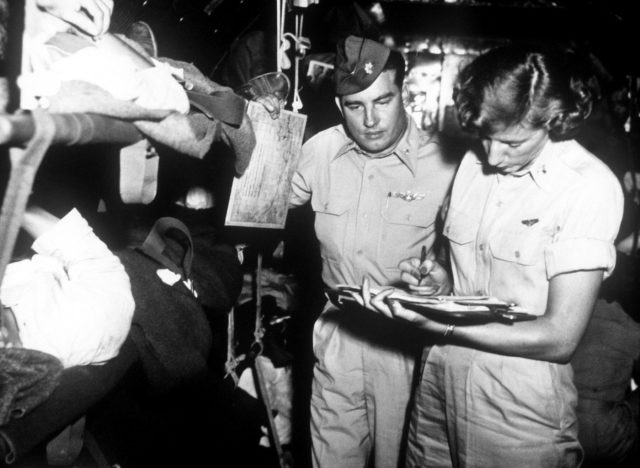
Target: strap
155	245
258	331
266	400
95	451
24	166
232	362
64	449
225	106
139	172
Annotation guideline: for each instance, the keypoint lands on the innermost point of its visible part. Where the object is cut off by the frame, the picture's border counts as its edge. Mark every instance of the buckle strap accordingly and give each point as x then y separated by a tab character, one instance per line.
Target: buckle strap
155	245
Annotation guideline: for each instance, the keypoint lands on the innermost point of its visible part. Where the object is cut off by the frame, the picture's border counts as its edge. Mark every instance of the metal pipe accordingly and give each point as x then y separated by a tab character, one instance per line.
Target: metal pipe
70	129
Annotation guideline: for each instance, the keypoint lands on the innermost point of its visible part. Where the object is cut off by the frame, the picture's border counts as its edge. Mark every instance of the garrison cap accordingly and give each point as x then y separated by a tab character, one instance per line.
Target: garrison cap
359	62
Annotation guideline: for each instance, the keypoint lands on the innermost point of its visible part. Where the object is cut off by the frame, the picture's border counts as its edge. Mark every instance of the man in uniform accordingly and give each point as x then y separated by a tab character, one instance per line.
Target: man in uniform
376	183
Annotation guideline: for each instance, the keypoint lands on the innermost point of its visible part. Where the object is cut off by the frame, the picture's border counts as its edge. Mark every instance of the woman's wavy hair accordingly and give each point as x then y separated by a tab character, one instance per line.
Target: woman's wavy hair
516	84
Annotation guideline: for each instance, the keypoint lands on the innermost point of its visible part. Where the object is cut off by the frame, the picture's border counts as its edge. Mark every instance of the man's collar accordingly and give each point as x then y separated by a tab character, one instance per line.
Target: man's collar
406	149
349	144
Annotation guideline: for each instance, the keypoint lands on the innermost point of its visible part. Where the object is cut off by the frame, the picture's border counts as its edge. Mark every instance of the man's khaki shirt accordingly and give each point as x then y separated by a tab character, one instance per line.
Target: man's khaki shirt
371	213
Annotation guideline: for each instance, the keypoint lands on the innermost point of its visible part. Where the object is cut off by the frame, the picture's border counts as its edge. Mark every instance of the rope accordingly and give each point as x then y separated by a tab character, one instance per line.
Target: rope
258	332
301	49
279	27
232	362
24	166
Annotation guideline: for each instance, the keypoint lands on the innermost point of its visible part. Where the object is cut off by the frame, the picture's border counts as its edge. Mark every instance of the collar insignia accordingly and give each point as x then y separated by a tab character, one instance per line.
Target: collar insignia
368	68
530	222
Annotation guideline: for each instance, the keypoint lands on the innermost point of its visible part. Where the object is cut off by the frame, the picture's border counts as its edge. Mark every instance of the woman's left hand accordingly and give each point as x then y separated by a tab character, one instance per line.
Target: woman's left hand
390	307
377	302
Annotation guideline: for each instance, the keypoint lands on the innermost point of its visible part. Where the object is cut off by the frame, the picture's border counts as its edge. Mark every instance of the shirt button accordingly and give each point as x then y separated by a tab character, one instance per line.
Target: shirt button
364	216
371	176
481	247
499	204
517	254
359	252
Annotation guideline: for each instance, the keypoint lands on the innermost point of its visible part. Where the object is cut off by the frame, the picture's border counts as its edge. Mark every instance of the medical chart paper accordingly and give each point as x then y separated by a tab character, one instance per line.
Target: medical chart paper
260	198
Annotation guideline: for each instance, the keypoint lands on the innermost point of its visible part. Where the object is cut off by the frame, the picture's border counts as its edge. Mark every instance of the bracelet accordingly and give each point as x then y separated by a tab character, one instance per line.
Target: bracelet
449	330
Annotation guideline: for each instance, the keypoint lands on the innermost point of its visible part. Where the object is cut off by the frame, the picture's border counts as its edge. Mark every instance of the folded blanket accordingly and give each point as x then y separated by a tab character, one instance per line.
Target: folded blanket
27	378
215	113
169	328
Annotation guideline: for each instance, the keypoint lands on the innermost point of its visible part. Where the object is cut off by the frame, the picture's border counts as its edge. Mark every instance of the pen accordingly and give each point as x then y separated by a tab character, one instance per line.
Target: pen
423	257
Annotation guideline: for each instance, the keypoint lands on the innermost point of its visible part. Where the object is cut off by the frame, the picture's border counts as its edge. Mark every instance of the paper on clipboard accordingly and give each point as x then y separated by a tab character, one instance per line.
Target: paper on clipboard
260	198
450	309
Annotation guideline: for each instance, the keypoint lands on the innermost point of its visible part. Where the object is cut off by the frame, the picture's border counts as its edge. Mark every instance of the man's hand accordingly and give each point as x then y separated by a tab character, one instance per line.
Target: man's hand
271	103
90	16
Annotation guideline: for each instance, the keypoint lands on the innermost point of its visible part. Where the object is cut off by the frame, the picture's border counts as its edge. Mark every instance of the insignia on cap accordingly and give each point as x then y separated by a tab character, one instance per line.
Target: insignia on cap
359	62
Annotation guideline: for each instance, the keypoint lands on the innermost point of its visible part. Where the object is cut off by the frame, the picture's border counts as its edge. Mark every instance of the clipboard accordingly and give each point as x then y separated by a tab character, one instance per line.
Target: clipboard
460	310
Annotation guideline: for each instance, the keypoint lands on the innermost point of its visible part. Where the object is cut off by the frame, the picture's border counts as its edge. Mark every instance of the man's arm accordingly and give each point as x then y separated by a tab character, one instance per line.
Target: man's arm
301	180
37	221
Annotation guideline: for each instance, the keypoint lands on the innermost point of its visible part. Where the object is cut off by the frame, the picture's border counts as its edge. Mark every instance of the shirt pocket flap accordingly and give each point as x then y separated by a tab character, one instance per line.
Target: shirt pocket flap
421	213
521	247
333	205
460	228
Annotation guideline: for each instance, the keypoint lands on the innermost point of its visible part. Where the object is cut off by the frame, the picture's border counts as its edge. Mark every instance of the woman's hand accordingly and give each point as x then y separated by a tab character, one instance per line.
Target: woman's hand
377	302
390	307
90	16
427	278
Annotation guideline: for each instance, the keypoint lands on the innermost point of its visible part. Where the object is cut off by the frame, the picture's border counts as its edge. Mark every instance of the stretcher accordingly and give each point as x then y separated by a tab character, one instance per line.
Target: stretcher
28	136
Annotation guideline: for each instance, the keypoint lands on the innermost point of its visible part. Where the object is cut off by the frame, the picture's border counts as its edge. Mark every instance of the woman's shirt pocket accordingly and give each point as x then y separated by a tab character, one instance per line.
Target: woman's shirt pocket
460	228
521	245
518	267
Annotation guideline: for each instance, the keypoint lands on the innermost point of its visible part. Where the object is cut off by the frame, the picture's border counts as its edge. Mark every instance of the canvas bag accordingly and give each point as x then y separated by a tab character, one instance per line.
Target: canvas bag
169	328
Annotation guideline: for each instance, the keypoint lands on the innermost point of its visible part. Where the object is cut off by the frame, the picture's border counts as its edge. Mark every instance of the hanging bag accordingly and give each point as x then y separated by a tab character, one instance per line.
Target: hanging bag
169	327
